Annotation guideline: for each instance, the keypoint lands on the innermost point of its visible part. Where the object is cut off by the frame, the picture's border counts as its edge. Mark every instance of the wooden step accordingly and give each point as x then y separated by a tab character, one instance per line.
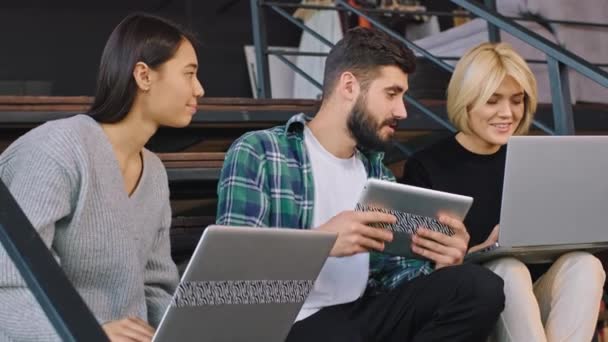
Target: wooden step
81	104
192	159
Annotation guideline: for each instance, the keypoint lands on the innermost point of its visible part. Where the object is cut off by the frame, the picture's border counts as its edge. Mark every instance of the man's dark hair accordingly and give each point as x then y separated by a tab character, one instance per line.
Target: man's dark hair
363	51
139	37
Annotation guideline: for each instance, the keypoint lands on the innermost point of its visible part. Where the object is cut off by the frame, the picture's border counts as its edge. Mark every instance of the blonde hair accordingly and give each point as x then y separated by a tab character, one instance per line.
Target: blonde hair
477	76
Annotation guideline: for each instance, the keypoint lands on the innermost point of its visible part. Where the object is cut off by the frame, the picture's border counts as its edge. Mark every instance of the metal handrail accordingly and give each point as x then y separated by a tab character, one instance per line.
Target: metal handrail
390	32
558	59
294	21
549	48
429	13
556	21
278	51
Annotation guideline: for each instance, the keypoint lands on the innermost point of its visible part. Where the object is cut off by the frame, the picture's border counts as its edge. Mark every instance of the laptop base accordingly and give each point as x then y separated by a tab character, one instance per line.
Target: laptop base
533	254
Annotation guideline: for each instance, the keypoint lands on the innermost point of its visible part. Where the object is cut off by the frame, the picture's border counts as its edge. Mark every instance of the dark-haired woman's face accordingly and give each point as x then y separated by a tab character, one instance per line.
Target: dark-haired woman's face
175	89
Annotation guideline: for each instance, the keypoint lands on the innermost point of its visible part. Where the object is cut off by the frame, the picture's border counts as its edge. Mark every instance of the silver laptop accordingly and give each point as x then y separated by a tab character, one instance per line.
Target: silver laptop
555	198
245	284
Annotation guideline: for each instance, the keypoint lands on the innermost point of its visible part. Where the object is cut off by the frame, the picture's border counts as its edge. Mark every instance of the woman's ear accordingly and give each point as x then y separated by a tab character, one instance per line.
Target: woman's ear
142	76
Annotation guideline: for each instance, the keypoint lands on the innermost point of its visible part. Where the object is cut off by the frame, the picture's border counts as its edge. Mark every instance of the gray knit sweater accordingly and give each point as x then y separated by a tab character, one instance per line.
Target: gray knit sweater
114	248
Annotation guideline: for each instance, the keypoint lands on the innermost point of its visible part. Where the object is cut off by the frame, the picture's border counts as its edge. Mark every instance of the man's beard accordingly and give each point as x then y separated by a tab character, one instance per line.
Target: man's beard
365	130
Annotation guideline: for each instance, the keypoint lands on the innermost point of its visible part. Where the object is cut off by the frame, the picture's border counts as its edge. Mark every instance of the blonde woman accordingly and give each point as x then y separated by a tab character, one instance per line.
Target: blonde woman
492	95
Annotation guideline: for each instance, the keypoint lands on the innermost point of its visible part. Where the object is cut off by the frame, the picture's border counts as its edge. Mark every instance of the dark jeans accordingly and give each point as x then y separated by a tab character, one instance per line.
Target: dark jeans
460	303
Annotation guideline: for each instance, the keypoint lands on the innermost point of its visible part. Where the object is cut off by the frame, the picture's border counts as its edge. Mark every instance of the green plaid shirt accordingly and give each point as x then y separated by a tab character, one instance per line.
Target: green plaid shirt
267	181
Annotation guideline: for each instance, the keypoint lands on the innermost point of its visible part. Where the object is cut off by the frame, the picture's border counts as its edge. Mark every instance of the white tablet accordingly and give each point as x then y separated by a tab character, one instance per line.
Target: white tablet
414	207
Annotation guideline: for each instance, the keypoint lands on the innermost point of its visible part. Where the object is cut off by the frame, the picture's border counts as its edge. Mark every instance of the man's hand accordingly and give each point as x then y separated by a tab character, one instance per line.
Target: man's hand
130	329
354	233
444	250
492	239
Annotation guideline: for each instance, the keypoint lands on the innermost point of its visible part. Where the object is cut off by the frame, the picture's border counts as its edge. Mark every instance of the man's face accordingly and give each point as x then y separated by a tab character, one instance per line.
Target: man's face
378	109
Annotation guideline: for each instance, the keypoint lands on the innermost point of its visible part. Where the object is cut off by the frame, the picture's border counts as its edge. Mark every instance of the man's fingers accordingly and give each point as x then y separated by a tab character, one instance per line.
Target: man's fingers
367	243
454	241
375	217
455	224
375	233
433	256
433	235
451	252
429	244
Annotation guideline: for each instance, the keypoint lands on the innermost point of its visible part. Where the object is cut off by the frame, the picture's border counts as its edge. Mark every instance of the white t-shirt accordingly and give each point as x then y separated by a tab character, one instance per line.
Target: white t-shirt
338	184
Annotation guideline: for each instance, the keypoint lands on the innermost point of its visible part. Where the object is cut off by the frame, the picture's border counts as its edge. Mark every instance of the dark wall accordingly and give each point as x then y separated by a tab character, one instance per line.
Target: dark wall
61	41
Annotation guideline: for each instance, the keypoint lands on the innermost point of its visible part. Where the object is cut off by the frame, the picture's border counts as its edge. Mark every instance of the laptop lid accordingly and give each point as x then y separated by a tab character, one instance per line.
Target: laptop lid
245	284
555	191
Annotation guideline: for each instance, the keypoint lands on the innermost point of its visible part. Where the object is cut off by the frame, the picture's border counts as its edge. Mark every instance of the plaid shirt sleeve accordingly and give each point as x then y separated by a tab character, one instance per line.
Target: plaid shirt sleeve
242	188
387	271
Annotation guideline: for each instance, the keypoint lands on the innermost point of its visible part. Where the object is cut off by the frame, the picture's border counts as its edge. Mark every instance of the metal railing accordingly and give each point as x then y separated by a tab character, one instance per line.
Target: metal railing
558	59
434	13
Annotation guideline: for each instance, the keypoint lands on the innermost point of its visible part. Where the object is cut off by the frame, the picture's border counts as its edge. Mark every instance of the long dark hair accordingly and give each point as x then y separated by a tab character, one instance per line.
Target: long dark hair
138	38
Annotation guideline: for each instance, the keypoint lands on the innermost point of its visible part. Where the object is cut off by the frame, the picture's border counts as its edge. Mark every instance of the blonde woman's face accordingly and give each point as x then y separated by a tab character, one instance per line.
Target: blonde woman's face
492	123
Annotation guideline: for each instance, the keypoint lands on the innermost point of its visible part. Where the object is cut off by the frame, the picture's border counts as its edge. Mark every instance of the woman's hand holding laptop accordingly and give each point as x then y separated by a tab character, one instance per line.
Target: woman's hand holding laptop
355	235
130	329
490	241
440	248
